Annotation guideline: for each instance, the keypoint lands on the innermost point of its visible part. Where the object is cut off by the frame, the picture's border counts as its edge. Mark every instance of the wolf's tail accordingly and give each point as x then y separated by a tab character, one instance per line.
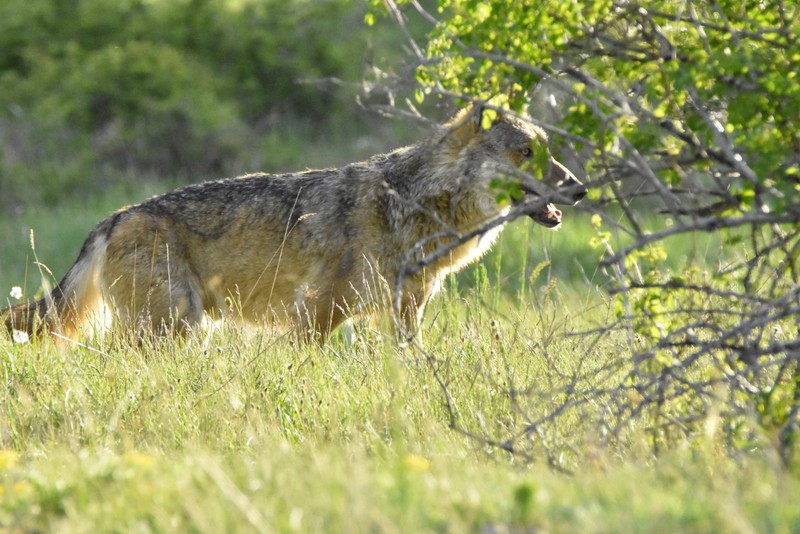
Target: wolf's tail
78	294
23	317
27	317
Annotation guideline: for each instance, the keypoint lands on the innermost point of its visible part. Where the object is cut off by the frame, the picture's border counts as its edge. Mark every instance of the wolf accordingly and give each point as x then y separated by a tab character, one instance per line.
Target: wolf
306	250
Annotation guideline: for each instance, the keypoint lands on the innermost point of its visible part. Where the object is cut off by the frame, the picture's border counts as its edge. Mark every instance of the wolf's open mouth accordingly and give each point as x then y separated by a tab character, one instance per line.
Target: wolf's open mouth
548	215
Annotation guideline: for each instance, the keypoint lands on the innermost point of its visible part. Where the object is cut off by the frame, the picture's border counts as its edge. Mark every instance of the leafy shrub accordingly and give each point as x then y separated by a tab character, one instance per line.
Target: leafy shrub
687	111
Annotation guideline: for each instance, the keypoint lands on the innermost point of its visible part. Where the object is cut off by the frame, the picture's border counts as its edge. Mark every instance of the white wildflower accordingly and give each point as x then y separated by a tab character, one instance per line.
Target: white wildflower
19	336
16	292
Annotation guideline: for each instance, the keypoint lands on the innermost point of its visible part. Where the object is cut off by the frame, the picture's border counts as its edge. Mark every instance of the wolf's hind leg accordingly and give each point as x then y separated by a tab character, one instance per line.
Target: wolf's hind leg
153	290
173	307
158	306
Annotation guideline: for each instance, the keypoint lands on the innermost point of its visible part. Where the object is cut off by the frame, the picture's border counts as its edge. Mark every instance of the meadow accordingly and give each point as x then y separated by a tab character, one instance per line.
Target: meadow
240	430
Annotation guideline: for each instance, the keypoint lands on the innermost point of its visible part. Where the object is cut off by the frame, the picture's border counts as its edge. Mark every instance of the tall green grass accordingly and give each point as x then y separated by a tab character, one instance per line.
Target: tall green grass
239	430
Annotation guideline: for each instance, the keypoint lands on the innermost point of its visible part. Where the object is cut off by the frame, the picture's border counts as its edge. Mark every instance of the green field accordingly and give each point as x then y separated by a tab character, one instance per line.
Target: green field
237	430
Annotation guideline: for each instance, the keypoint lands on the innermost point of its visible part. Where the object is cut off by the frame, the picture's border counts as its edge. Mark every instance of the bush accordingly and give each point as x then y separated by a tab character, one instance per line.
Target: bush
690	112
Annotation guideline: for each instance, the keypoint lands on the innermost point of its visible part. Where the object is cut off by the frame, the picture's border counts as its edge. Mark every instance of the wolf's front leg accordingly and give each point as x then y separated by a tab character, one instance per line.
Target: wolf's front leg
409	318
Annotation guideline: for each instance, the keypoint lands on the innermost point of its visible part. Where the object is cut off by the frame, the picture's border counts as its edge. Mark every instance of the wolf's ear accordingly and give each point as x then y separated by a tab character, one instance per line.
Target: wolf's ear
483	117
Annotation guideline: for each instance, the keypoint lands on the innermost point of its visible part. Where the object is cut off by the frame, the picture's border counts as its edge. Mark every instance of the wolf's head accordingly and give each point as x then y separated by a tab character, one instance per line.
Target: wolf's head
500	144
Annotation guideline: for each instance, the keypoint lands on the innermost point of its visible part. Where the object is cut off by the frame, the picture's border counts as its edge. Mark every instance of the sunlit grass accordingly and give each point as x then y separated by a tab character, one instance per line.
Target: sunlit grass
248	432
241	430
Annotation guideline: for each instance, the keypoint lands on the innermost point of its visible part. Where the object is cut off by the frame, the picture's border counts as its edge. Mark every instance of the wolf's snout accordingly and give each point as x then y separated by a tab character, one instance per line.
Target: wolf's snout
578	190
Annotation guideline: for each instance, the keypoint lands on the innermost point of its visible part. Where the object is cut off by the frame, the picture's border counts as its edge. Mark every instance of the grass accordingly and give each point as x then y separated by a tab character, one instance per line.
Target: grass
235	430
250	433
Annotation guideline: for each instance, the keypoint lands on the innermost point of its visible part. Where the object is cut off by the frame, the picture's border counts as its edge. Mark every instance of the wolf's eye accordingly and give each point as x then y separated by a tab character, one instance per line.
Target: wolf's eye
526	152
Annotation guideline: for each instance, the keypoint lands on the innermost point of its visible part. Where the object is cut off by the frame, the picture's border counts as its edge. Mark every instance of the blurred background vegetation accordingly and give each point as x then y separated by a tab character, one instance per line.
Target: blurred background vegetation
102	93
